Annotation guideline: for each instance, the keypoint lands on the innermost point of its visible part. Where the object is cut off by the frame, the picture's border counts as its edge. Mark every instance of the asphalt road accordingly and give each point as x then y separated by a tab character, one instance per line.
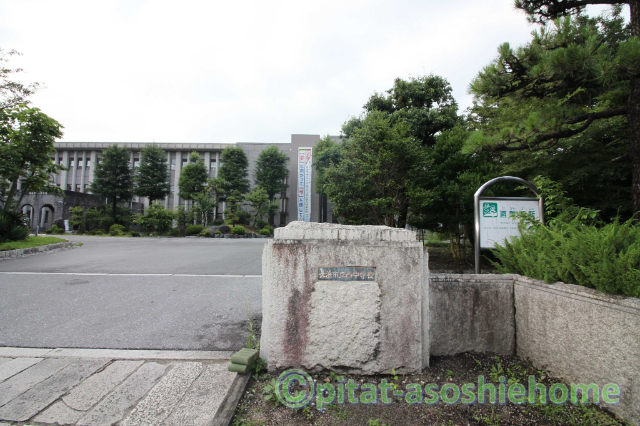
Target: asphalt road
201	256
133	293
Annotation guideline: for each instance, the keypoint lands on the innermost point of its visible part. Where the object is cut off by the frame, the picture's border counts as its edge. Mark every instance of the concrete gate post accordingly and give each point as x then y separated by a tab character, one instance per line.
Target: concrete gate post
345	298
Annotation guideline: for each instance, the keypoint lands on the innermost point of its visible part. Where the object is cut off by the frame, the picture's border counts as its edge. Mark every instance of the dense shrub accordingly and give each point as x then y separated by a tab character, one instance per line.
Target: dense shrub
264	232
116	230
134	234
175	232
97	218
217	222
157	219
269	228
218	233
12	227
238	230
261	223
96	232
55	230
193	229
17	233
606	258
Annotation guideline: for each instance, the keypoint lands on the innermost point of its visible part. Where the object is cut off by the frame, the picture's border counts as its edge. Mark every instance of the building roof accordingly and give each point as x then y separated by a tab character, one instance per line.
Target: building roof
167	146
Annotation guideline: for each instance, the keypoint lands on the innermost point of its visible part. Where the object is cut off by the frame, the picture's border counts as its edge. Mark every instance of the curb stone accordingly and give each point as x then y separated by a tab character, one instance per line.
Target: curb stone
34	250
228	406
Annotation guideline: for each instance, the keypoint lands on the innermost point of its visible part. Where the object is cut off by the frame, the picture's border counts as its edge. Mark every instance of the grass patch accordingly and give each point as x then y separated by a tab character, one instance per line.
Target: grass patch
30	242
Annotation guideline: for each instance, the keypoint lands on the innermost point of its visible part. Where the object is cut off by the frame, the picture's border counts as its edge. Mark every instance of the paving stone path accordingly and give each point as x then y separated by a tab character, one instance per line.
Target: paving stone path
100	387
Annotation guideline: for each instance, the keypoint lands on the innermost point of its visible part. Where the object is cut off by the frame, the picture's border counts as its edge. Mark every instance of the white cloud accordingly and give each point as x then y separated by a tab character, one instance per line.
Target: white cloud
203	71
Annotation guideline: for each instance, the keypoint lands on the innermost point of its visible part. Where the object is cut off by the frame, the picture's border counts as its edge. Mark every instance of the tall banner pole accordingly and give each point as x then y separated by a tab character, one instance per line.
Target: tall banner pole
305	163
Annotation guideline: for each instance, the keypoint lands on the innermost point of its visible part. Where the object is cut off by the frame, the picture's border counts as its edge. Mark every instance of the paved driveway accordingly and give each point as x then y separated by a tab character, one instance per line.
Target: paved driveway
200	256
133	293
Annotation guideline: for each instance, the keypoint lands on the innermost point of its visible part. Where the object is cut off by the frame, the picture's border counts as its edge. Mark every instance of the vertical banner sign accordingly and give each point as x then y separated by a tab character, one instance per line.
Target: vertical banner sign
304	184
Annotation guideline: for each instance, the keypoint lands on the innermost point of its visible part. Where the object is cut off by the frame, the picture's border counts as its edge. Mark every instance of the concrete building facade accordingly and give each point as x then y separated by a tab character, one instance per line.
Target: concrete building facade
80	159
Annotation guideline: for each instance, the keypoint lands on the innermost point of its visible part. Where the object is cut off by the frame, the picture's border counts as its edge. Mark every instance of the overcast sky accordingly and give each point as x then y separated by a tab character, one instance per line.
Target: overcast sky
240	71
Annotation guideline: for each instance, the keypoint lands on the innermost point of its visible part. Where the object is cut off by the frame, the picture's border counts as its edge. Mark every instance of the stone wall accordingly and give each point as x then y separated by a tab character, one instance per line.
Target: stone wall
471	313
356	326
403	316
581	335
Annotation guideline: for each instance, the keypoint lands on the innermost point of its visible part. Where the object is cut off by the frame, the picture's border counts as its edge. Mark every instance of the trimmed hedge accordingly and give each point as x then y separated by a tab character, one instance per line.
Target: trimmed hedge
116	230
238	230
193	229
606	258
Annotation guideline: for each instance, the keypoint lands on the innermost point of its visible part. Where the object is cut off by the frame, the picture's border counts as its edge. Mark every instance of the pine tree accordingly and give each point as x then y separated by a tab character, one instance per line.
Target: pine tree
152	177
579	71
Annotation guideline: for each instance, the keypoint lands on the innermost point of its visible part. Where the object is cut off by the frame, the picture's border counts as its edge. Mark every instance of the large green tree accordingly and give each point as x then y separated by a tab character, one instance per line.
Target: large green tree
12	93
327	153
271	171
234	170
424	103
26	148
193	177
575	72
374	178
152	177
26	141
443	197
113	178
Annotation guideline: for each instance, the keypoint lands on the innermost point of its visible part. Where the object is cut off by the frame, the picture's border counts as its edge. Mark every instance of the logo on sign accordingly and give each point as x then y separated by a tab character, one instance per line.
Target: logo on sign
489	209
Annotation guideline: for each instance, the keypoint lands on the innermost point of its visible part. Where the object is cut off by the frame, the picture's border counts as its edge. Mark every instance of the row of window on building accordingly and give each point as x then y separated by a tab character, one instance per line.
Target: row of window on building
136	163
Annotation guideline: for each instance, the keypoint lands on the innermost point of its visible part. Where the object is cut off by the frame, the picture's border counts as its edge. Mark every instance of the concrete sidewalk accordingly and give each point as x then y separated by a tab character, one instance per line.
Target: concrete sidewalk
106	386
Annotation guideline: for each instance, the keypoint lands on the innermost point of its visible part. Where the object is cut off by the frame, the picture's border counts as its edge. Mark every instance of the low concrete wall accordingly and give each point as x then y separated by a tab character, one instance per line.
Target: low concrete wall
31	250
471	313
578	334
581	335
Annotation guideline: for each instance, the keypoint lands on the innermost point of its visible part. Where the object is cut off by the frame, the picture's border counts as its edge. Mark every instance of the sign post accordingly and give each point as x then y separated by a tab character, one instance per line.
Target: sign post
496	218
